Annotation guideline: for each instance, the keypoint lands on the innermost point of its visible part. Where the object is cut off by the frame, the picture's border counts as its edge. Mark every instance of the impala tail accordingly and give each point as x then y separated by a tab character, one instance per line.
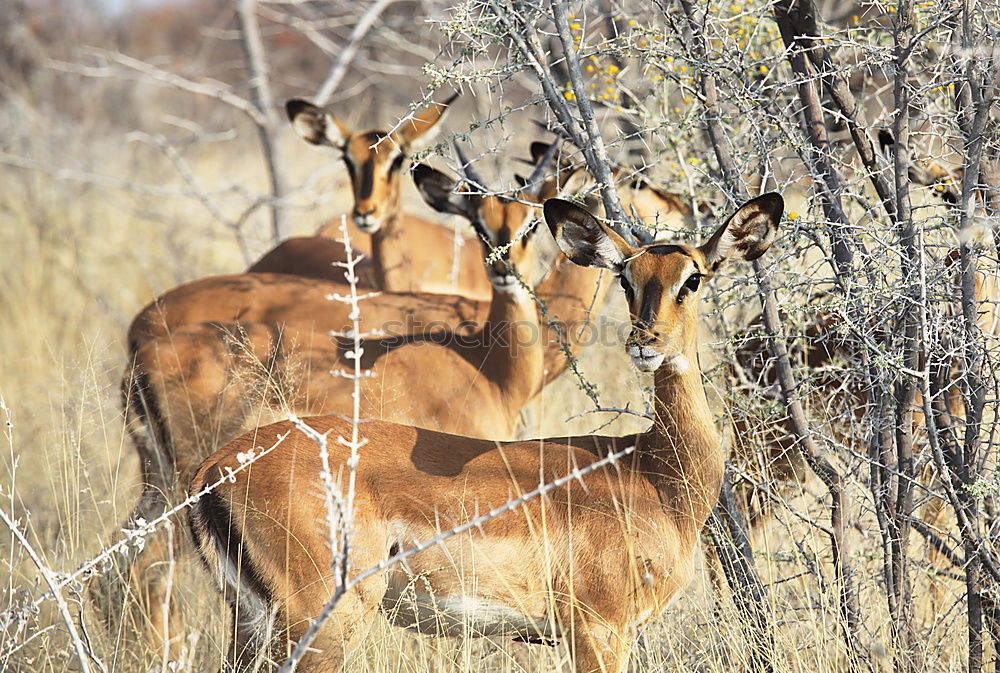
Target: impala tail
218	537
148	429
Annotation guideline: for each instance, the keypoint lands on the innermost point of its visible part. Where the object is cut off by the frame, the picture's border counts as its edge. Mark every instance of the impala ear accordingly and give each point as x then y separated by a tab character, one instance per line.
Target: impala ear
417	132
314	124
747	234
442	193
538	150
885	140
584	239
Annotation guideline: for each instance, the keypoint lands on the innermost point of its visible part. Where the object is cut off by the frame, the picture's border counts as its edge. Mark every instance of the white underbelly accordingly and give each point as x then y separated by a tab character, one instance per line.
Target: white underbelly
462	615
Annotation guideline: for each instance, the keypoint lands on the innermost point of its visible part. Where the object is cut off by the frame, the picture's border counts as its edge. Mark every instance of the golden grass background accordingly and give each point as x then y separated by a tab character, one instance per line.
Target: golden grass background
77	260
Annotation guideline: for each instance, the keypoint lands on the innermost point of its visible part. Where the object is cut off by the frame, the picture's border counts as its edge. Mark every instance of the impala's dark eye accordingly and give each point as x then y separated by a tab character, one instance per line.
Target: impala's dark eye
627	286
690	285
397	162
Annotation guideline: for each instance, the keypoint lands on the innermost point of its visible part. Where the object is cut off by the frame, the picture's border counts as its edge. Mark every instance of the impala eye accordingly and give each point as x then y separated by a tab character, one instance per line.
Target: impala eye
397	162
690	285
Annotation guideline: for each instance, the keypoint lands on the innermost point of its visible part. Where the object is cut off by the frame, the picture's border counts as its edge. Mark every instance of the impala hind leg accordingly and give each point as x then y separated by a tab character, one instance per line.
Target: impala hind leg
600	648
263	642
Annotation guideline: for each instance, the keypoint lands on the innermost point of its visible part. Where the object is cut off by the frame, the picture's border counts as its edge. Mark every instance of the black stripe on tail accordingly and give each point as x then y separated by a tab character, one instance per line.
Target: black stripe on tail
138	396
217	521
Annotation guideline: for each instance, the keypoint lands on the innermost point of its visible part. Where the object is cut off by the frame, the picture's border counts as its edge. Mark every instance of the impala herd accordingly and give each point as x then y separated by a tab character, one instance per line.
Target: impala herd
220	361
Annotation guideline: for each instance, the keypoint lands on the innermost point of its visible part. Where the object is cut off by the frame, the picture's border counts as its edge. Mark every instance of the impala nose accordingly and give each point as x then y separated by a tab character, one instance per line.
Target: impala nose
366	222
500	275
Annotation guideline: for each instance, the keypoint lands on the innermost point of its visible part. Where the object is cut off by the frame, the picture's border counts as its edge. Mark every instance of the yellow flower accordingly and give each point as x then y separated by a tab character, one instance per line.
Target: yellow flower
674	166
740	31
574	26
606	97
763	69
686	100
683	68
734	8
612	69
631	23
677	110
681	173
610	89
593	85
590	67
854	18
569	95
792	215
670	59
693	161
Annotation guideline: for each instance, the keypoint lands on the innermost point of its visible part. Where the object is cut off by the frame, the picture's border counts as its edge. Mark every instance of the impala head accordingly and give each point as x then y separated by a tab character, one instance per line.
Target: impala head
663	283
503	224
946	183
640	197
374	158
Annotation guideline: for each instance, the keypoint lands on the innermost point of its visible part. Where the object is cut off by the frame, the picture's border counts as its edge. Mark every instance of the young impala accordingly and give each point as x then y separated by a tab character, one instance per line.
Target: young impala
407	252
588	564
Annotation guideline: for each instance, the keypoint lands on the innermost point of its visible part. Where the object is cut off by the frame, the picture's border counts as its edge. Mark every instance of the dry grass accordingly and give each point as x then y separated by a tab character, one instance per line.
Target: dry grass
78	262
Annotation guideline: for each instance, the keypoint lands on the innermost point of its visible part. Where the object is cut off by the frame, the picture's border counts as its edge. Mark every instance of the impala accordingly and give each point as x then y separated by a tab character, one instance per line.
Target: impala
588	564
406	251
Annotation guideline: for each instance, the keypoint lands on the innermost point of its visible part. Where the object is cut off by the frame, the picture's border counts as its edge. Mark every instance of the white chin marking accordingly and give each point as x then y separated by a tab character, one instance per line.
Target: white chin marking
645	358
678	364
368	225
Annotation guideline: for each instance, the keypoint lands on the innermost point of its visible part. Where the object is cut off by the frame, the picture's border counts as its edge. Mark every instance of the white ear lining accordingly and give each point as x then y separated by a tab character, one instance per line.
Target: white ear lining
722	249
602	252
426	139
609	252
